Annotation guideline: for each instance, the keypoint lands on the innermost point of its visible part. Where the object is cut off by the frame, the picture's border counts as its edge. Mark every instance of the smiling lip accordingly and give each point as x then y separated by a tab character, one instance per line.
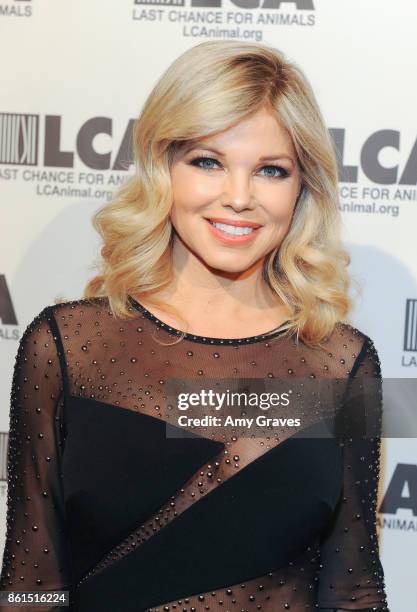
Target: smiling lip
235	223
231	239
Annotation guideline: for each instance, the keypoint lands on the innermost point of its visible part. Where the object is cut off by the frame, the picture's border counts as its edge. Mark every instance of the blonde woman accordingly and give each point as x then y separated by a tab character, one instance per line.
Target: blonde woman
221	260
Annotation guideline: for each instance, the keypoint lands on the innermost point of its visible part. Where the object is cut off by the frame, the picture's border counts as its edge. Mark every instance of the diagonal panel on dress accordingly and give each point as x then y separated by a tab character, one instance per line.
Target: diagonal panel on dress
109	494
296	482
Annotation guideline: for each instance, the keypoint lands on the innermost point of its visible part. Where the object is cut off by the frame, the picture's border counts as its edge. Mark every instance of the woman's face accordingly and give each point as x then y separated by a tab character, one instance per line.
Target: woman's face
247	174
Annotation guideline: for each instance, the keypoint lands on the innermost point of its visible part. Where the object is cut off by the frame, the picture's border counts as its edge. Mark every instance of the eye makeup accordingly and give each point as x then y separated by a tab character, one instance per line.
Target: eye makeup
197	159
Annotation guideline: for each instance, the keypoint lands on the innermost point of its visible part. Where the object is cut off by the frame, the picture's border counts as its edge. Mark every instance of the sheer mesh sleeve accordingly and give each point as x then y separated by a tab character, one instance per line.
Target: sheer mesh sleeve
351	575
35	556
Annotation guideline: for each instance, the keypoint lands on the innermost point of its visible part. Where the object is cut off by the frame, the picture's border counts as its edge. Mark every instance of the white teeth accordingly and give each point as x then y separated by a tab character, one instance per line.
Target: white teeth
232	229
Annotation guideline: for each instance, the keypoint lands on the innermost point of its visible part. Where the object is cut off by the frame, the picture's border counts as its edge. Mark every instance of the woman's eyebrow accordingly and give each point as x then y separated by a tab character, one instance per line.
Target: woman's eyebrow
263	158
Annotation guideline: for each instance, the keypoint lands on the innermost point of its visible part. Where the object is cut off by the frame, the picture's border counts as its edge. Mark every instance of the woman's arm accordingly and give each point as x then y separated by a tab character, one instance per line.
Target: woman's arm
36	556
351	576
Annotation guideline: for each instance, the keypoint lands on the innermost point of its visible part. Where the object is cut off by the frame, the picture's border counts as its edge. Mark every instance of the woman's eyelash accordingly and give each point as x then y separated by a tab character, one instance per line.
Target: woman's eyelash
195	162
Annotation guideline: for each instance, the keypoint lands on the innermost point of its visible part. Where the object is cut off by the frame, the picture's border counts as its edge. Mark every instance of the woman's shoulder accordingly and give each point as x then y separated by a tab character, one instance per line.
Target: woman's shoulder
80	304
73	308
347	331
66	310
354	340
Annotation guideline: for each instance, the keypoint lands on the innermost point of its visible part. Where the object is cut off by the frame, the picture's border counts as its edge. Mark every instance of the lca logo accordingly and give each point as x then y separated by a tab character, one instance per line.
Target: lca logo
410	327
401	493
400	496
4	437
410	333
7	312
19	142
19	135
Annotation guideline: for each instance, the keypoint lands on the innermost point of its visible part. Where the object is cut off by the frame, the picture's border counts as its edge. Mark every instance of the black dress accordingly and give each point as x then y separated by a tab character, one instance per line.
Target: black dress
104	503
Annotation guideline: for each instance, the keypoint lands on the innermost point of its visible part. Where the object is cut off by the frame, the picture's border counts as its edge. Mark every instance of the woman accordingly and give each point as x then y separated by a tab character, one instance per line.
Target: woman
222	260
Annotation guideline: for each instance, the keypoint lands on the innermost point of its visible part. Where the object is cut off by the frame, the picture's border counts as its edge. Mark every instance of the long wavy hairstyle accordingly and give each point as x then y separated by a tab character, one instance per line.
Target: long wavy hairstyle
207	89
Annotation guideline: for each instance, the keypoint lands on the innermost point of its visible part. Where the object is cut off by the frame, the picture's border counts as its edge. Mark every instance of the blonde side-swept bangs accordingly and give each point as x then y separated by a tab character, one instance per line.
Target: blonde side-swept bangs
207	89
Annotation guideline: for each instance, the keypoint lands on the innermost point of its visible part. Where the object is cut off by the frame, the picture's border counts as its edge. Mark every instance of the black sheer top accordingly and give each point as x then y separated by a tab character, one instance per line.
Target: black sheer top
103	503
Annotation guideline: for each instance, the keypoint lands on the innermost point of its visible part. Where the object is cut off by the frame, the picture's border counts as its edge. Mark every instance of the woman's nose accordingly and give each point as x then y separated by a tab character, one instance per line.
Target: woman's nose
238	190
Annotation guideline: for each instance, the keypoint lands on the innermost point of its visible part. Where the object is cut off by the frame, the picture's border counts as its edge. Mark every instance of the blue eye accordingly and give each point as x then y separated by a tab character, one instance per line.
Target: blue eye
283	172
196	161
207	160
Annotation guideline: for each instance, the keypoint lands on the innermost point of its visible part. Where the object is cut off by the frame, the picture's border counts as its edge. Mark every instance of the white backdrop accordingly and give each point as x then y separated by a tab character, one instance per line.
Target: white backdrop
74	73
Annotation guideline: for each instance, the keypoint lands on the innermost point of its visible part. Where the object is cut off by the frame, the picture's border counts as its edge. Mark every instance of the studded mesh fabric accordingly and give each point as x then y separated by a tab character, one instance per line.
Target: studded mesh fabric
76	356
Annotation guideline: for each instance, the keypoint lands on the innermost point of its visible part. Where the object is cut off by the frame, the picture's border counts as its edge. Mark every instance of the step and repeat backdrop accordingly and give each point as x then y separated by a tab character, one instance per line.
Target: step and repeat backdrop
74	76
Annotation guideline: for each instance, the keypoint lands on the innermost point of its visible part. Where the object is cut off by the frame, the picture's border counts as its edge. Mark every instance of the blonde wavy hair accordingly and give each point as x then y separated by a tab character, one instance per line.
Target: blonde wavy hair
207	89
